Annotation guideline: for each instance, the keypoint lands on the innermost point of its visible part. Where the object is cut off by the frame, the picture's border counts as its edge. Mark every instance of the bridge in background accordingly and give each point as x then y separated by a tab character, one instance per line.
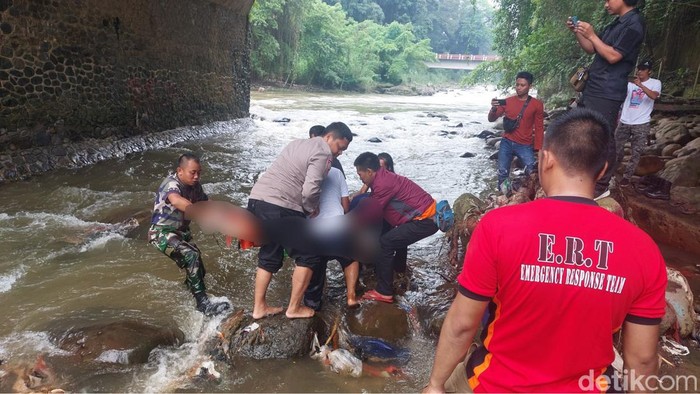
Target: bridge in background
459	61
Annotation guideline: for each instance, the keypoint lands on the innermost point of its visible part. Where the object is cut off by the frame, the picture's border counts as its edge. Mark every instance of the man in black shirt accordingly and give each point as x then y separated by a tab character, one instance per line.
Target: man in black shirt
616	50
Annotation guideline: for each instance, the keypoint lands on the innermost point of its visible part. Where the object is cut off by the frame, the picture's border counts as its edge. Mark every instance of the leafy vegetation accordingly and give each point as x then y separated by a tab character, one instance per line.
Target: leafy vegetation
531	35
358	44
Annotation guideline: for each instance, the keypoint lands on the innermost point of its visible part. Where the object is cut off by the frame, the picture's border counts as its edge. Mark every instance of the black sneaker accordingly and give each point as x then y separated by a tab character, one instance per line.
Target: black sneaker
209	308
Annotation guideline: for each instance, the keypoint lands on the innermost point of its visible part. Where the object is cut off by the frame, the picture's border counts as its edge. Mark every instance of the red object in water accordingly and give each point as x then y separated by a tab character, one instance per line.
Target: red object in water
244	244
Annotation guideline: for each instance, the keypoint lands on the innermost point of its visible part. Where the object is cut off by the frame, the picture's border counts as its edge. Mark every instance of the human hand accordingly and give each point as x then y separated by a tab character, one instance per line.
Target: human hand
494	103
571	24
584	28
637	81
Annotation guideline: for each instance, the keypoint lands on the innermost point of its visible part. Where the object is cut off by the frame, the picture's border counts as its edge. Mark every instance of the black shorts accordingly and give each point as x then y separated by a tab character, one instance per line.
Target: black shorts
271	255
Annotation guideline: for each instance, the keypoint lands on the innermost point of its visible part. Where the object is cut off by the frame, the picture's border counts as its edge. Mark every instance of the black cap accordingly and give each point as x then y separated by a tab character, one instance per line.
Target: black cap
645	65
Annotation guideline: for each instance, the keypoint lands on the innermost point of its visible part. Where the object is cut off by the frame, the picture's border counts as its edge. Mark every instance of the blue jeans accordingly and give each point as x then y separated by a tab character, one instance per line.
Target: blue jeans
507	150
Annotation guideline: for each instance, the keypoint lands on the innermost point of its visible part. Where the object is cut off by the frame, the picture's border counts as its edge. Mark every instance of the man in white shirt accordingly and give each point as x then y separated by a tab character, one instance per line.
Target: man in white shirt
334	202
635	119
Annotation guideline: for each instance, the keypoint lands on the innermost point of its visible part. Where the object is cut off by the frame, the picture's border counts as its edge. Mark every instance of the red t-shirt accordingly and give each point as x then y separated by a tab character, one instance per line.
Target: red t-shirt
530	130
562	275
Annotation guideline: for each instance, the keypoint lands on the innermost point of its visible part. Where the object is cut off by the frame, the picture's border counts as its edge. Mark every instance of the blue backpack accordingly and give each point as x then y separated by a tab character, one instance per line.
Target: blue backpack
444	217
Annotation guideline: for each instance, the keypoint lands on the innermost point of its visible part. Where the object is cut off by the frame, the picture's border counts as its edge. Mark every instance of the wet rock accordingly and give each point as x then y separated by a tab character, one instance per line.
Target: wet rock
125	342
388	117
379	320
683	171
491	142
271	337
374	140
466	204
686	196
649	165
282	120
461	124
486	134
467	154
494	156
437	115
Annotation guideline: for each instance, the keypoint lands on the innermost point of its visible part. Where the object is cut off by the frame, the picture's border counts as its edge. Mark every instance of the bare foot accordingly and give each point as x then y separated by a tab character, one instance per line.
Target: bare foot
352	302
266	311
302	312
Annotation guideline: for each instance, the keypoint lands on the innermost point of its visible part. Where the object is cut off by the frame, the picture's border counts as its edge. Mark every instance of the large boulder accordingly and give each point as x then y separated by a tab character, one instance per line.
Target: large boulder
668	150
122	342
465	204
692	147
683	171
272	337
686	196
669	131
649	165
611	205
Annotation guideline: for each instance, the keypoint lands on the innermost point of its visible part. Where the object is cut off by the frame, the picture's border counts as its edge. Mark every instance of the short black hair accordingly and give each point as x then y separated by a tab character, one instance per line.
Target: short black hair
388	160
339	130
185	157
316	131
367	160
579	140
631	3
525	75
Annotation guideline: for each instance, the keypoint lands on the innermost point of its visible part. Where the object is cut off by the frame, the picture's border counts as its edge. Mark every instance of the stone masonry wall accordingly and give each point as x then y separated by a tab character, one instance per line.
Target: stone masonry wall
72	70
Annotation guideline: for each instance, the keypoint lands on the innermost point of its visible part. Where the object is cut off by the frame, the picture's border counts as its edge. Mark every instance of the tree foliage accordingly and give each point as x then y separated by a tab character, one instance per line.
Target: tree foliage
312	42
531	35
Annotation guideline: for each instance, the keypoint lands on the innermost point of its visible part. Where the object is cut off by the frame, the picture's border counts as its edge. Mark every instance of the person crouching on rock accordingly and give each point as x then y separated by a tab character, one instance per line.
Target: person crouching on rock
406	207
170	232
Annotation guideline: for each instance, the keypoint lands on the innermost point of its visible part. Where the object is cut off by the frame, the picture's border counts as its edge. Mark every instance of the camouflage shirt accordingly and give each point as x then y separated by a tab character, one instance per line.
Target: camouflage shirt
164	213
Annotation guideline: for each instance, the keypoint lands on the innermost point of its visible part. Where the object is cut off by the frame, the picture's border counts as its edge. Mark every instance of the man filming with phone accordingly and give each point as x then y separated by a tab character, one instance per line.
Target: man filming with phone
523	126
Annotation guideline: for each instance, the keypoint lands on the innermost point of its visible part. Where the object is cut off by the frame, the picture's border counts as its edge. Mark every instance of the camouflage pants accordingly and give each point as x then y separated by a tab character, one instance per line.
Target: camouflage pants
637	135
179	247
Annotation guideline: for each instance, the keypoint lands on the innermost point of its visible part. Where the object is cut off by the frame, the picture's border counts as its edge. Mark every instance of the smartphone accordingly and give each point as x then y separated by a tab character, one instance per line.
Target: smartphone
574	20
501	102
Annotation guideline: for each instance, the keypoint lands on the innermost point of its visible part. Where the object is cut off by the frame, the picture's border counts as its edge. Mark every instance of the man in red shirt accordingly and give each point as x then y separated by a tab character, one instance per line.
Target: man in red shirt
528	132
559	276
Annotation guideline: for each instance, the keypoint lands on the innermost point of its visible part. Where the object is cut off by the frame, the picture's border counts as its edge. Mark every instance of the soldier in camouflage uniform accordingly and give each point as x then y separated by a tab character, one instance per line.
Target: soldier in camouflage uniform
170	232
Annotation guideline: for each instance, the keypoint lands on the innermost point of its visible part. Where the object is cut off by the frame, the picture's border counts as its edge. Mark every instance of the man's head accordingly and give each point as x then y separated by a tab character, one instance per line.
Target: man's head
619	7
386	161
644	70
316	131
338	136
523	81
575	147
188	169
367	165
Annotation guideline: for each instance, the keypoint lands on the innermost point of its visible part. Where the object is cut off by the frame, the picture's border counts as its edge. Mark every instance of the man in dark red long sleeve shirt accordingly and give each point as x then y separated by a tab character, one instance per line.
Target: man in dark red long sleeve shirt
529	132
408	209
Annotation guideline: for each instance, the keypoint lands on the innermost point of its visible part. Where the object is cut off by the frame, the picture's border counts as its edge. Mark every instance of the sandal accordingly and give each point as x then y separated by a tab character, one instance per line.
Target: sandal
373	295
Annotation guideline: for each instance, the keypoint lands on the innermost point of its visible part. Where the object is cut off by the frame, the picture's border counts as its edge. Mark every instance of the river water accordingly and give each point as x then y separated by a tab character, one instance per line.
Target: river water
69	259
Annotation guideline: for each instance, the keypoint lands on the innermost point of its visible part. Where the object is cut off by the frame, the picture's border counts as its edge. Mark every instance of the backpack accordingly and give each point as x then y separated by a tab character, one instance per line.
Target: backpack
444	217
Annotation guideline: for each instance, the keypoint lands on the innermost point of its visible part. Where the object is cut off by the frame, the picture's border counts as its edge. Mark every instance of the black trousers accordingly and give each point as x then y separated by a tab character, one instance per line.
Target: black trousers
313	296
610	110
394	240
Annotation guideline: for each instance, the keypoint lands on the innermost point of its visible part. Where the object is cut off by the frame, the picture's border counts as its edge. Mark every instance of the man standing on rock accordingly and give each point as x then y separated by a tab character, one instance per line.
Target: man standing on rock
559	276
526	137
170	232
292	187
616	51
636	117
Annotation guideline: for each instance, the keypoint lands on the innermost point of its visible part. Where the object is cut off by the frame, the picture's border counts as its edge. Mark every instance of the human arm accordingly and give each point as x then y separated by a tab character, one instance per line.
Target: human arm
457	334
496	110
595	44
179	202
583	42
317	169
652	94
344	194
539	127
640	356
345	202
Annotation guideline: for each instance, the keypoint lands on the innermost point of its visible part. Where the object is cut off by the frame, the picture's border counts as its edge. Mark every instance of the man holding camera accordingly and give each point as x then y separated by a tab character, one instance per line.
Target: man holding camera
523	128
616	51
636	117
